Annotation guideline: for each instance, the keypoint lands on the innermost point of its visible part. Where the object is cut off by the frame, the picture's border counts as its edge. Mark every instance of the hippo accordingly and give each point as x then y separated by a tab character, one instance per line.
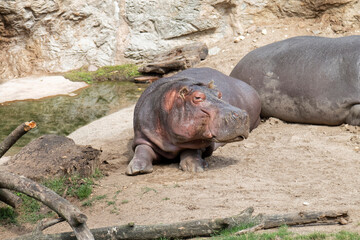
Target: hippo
306	79
188	115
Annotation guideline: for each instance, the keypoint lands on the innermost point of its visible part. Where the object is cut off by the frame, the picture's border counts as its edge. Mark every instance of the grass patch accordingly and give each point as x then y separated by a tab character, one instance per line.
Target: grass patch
74	186
107	73
89	202
283	233
7	214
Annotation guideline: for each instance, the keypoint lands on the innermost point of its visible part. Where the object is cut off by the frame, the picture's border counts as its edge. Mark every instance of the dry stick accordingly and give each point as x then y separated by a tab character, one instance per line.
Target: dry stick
73	216
5	195
47	223
15	135
301	218
9	198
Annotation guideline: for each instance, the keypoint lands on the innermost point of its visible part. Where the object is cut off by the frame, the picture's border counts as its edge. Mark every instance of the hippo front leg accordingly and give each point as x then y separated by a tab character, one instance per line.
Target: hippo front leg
191	161
142	161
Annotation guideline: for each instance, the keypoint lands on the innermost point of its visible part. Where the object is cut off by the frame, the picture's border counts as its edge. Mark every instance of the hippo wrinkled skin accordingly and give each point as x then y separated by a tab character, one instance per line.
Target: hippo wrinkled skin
306	79
189	115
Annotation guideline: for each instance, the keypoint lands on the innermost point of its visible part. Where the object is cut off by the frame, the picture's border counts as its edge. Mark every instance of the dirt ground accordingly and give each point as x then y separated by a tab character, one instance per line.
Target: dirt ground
281	168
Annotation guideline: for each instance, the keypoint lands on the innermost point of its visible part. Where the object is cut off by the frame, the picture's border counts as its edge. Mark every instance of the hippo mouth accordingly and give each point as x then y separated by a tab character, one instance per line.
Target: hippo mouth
236	139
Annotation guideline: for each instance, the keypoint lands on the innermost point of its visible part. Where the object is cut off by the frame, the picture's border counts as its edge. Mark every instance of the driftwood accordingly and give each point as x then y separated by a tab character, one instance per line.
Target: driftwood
15	135
176	59
205	227
73	216
5	195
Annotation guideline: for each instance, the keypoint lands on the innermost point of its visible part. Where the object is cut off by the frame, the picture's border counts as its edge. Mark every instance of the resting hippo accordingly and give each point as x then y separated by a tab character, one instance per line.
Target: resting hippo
189	115
306	79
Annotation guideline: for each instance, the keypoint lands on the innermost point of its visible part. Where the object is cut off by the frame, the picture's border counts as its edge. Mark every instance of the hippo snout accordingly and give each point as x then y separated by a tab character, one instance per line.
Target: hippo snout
232	125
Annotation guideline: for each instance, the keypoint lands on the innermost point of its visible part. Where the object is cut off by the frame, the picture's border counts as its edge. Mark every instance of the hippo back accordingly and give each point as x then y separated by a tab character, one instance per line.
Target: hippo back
305	79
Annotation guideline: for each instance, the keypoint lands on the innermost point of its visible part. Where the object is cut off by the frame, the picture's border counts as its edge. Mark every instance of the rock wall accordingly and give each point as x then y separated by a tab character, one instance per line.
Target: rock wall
60	35
56	35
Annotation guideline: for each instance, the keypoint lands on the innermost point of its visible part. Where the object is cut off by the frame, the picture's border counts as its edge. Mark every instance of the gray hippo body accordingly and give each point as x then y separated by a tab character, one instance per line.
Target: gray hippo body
188	116
306	79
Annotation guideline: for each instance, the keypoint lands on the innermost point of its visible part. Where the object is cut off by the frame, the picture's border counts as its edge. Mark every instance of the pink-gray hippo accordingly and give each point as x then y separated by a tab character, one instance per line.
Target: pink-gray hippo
189	115
306	79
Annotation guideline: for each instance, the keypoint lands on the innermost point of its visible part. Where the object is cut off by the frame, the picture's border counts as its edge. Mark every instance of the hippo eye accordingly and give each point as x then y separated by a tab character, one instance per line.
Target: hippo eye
199	97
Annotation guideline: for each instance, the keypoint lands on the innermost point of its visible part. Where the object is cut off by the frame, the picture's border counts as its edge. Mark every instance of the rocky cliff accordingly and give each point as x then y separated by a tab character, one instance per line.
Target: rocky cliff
59	35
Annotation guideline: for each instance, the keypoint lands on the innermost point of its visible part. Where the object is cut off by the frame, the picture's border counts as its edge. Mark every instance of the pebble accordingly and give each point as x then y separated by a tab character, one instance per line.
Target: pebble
264	31
306	203
239	38
214	51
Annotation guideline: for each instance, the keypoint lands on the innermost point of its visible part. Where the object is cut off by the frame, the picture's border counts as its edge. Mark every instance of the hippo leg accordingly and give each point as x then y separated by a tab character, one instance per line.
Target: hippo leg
354	116
191	161
142	160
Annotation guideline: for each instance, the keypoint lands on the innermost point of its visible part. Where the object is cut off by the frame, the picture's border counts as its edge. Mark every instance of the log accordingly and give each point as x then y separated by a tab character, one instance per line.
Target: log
12	138
297	219
188	229
73	216
205	227
178	58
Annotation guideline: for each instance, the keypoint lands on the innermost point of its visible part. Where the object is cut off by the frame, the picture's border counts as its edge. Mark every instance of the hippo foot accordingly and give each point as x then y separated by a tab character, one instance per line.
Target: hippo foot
138	166
142	161
191	161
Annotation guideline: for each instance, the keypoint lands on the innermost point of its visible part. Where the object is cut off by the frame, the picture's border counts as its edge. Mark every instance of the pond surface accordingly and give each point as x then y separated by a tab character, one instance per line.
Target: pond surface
62	115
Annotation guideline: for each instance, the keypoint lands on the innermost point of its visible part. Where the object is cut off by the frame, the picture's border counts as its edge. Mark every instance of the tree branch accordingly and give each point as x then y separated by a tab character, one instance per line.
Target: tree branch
73	216
15	135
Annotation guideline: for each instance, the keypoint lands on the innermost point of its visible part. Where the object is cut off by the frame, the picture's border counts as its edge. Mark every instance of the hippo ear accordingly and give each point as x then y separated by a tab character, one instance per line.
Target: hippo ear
184	91
211	85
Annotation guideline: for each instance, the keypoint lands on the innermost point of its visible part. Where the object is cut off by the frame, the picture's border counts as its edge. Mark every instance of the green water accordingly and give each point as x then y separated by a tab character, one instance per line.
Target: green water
62	115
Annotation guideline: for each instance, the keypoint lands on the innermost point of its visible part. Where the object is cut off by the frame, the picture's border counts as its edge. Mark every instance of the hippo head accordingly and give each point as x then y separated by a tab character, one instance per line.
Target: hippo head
195	115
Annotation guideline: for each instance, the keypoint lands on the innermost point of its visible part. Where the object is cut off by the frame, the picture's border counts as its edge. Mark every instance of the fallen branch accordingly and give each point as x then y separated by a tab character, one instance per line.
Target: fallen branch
205	227
188	229
15	135
46	224
301	218
5	195
73	216
9	198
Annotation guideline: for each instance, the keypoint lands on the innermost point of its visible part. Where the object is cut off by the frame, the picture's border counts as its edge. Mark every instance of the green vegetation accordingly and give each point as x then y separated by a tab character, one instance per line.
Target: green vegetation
147	189
107	73
283	234
7	214
74	186
89	202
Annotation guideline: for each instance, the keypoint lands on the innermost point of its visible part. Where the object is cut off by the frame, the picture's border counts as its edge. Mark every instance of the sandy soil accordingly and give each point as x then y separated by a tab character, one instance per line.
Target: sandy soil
281	168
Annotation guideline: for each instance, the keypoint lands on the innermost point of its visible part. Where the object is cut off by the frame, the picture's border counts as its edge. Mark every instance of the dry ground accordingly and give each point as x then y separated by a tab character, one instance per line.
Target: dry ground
280	168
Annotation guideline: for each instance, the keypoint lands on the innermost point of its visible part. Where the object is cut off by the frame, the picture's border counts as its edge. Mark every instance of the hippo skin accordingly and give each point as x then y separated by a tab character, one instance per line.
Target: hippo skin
306	79
188	116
